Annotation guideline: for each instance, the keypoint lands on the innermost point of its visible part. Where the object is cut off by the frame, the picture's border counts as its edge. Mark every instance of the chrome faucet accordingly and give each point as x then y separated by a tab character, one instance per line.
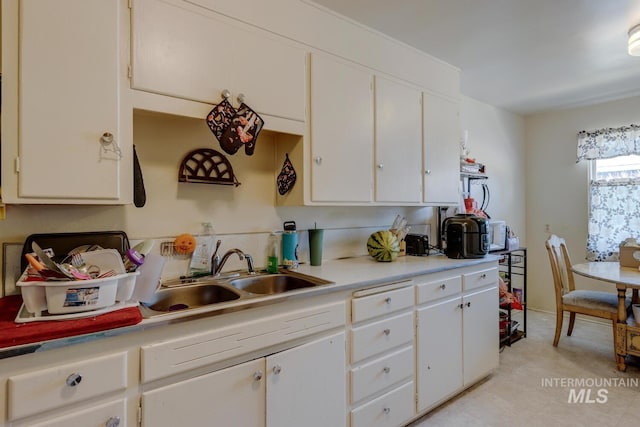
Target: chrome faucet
217	263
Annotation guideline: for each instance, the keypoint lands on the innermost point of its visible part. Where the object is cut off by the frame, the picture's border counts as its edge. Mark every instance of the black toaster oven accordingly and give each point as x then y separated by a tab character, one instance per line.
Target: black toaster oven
417	244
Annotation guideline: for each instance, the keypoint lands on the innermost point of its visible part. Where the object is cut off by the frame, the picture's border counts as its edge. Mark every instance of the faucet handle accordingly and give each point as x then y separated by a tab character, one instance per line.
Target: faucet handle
250	268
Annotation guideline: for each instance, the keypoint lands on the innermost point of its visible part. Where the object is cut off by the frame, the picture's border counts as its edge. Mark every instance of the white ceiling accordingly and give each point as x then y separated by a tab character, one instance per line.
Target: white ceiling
525	56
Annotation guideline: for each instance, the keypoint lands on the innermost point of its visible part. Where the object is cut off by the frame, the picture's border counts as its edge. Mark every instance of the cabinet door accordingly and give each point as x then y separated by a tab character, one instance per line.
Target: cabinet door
306	386
441	150
439	352
480	334
398	142
341	131
194	53
69	97
230	397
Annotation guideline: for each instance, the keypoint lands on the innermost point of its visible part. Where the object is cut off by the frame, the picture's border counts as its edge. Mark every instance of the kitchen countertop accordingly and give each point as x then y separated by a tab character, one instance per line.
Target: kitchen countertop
348	273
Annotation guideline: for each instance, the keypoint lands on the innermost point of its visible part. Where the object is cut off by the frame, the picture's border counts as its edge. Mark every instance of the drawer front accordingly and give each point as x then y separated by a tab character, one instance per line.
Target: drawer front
166	358
50	388
389	410
112	413
440	288
480	278
375	305
381	336
379	374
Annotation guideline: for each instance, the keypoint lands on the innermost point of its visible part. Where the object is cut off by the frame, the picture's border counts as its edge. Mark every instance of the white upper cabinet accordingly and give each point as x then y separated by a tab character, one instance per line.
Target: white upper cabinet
62	77
441	150
341	131
398	142
193	53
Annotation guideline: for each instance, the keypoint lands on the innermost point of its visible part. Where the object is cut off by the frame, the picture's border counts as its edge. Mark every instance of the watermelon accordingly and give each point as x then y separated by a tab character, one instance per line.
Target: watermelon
383	245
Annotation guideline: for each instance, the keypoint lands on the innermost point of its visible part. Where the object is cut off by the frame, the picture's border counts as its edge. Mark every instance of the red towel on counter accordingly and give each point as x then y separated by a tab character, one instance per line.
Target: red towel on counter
12	333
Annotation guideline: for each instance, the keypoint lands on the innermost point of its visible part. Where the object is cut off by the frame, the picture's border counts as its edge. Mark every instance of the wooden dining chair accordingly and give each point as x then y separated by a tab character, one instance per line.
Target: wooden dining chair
591	303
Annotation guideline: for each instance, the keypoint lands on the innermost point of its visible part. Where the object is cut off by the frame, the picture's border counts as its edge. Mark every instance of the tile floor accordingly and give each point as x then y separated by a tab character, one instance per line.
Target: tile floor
515	395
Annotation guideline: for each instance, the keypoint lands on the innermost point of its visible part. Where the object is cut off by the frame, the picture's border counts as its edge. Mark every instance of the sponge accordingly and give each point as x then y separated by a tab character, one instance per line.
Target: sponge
184	244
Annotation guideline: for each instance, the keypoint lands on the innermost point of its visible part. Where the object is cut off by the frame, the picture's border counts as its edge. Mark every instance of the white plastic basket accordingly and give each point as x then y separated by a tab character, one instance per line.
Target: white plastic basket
73	296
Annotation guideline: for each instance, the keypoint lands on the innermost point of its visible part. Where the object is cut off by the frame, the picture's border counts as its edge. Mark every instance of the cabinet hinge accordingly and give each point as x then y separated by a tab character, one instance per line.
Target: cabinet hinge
129	71
139	414
130	4
17	165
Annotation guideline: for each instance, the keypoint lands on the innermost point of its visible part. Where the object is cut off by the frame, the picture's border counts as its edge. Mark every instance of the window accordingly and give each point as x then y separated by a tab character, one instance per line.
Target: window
614	205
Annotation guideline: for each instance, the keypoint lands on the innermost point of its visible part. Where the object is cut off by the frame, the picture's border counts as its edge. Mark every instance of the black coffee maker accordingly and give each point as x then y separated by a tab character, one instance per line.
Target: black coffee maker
466	236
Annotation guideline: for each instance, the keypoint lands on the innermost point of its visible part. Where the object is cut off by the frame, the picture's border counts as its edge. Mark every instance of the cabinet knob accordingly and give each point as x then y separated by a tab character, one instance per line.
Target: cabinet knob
318	160
74	379
443	286
386	410
225	94
240	98
427	171
387	331
380	165
461	306
483	276
387	300
112	422
469	304
386	369
277	369
106	138
257	376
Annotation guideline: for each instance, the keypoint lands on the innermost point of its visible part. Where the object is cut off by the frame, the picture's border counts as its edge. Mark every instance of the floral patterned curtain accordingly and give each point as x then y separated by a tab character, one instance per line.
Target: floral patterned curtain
609	142
614	213
613	217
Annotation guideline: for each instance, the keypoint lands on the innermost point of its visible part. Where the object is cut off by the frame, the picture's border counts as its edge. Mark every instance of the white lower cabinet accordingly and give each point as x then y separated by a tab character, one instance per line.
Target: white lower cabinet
233	396
382	356
304	385
457	331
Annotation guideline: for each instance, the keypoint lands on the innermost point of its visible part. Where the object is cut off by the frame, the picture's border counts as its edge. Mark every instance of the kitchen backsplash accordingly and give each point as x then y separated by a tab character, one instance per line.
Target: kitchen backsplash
338	243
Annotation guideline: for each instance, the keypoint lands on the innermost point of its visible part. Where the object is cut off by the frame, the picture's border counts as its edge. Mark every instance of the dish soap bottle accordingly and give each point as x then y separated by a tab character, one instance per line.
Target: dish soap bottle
201	258
272	253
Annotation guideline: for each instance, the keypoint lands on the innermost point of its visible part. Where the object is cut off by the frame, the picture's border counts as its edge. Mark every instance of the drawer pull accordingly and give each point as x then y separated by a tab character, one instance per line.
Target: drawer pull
73	379
387	300
443	286
387	331
386	369
277	369
257	376
386	410
112	422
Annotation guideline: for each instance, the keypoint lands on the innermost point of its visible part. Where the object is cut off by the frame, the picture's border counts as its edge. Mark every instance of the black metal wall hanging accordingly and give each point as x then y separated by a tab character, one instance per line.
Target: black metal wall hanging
207	166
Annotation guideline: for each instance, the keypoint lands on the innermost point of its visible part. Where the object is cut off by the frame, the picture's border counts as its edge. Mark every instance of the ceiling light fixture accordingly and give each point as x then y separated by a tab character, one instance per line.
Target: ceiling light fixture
634	41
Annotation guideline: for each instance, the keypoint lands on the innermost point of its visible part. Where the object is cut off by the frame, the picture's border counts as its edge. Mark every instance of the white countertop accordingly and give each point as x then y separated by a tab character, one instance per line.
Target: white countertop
348	273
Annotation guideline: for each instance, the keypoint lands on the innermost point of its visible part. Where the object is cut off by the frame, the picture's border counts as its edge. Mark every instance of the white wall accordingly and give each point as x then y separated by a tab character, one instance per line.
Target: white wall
496	139
557	187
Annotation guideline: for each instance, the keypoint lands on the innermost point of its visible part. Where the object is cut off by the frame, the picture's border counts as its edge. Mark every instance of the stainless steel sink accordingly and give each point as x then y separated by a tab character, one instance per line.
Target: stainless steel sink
187	294
190	296
276	283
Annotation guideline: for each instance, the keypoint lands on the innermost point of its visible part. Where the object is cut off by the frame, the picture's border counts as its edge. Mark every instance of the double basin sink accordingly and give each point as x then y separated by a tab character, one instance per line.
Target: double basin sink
208	291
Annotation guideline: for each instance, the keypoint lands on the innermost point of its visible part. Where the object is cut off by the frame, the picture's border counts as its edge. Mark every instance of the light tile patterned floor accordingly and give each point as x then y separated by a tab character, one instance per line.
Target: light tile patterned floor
515	395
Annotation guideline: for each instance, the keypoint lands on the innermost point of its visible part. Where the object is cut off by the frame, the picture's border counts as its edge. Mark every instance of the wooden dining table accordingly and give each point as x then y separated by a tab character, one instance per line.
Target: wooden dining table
627	336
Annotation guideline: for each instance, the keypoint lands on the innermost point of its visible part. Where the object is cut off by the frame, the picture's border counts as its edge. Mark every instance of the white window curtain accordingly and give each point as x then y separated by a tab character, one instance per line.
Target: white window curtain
614	205
608	142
